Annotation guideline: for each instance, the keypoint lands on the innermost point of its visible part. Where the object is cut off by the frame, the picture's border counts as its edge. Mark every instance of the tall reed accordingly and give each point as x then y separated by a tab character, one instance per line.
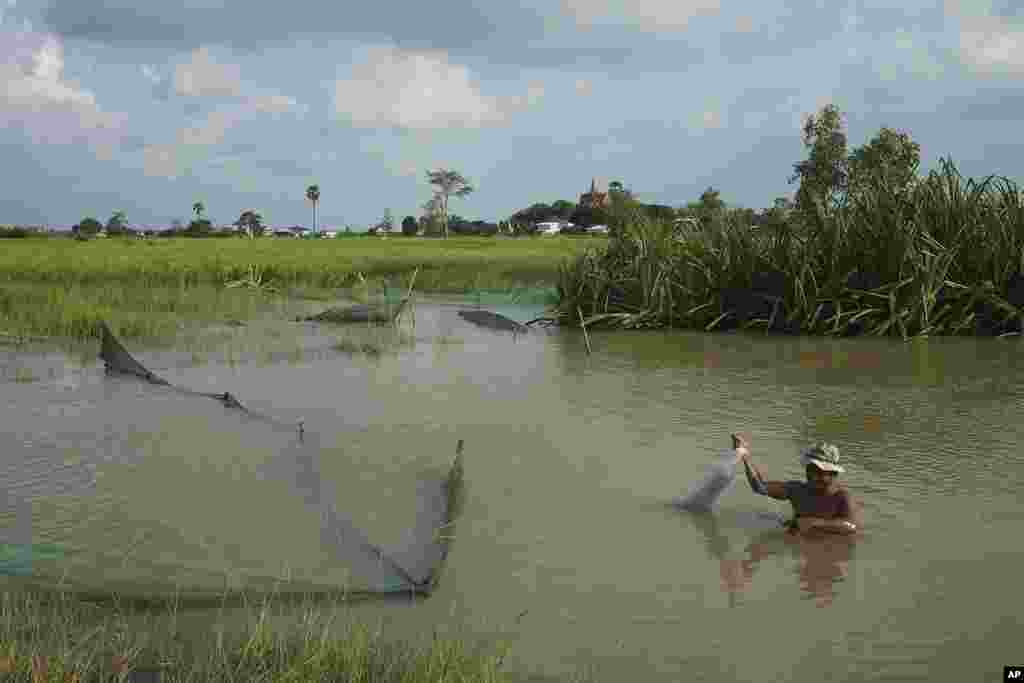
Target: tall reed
945	257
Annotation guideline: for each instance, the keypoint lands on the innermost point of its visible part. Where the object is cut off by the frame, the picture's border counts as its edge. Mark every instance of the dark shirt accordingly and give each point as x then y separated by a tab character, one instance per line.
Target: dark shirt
807	502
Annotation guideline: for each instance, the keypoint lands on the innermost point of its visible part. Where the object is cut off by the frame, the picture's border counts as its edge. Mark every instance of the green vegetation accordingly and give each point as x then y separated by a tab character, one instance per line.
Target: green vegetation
447	183
145	288
74	311
453	265
313	195
54	637
929	257
14	231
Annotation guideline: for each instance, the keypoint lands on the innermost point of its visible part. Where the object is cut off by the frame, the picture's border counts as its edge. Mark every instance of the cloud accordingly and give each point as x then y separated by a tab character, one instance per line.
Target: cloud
744	24
420	91
990	40
194	142
151	74
212	130
35	96
169	160
274	104
161	161
991	44
650	15
509	34
204	77
243	24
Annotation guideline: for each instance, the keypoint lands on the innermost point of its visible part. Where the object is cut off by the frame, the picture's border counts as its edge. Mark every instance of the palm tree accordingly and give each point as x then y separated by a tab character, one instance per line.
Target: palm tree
313	195
448	182
198	209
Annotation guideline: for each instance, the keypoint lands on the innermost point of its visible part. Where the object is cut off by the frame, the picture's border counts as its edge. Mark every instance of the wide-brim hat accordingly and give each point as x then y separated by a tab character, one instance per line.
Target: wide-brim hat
824	456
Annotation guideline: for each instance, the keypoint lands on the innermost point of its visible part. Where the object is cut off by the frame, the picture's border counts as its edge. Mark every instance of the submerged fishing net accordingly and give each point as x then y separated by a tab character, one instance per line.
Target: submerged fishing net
412	568
523	296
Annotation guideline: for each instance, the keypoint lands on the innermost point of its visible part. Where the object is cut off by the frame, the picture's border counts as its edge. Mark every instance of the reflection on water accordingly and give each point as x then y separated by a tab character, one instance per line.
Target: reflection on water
818	562
570	458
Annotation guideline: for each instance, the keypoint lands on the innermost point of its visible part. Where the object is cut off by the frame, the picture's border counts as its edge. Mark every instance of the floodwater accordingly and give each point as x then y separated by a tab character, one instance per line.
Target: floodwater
568	550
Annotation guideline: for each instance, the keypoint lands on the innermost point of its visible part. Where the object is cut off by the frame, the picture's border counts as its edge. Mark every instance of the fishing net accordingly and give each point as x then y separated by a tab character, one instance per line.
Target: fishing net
704	496
346	560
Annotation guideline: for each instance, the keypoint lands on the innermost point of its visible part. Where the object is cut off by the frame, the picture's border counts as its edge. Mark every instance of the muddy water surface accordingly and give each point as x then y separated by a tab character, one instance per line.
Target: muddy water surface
567	550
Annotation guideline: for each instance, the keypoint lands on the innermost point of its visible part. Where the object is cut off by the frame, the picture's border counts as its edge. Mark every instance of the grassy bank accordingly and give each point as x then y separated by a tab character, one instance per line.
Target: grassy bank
944	258
59	287
53	637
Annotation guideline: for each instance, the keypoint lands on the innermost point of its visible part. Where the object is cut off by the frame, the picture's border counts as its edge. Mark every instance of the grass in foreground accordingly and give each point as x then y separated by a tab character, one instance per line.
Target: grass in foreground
52	637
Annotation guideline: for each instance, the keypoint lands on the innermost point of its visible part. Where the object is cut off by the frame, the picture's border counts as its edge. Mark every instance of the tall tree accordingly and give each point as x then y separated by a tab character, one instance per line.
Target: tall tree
313	195
448	183
617	192
889	159
251	223
87	227
199	226
118	223
710	200
409	226
823	174
563	209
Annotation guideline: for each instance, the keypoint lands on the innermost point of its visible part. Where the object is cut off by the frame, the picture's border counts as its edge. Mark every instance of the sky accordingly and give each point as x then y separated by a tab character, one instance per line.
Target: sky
148	106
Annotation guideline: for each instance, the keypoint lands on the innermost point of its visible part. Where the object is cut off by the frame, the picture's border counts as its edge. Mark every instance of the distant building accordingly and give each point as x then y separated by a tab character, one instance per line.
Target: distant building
597	198
293	231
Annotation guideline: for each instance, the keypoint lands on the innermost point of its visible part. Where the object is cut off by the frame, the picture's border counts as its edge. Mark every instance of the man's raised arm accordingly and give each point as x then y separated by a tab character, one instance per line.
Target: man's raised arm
758	484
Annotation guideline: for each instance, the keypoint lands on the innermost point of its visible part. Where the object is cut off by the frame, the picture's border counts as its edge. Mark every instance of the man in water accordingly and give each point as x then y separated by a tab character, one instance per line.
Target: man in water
819	504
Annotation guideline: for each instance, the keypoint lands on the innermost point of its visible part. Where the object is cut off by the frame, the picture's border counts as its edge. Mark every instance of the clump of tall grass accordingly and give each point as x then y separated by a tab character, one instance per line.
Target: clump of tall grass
54	637
75	311
945	257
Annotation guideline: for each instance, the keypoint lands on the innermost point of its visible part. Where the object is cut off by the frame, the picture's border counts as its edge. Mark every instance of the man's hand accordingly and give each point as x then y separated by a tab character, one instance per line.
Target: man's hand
819	524
741	444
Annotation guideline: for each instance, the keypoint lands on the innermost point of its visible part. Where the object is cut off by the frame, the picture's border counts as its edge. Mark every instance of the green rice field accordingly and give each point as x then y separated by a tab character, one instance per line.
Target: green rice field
60	287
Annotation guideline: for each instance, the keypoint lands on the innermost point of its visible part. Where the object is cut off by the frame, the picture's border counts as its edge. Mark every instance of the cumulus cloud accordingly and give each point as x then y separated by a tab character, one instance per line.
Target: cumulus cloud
650	15
992	44
35	96
161	161
744	24
274	104
212	130
201	76
169	160
420	91
989	40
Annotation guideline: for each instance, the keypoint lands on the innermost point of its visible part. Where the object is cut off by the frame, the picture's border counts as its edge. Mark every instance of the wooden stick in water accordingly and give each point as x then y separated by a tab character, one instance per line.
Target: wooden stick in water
586	337
412	281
